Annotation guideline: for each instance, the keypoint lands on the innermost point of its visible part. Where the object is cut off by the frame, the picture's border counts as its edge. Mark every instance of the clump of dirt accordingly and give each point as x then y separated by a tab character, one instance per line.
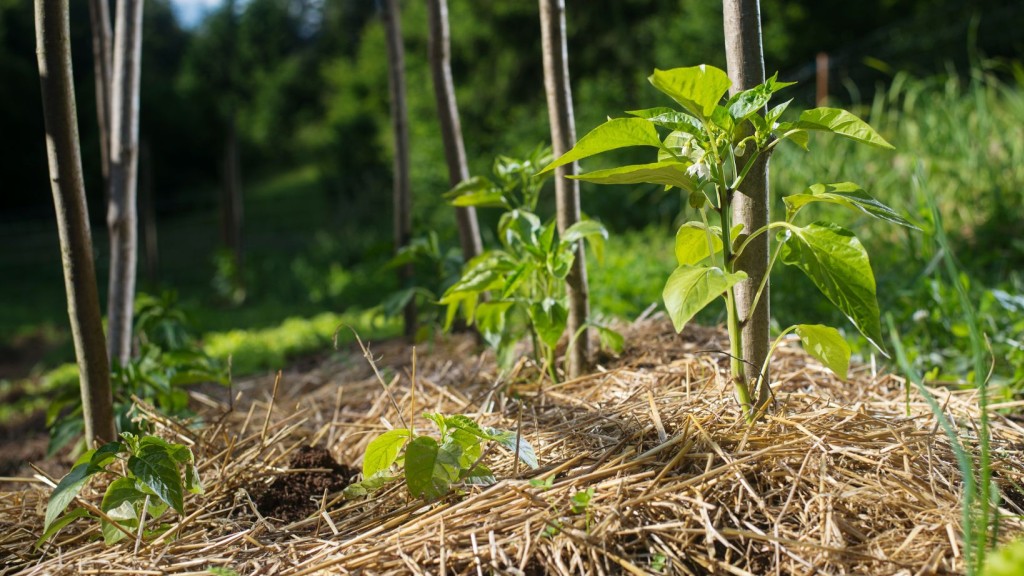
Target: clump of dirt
295	495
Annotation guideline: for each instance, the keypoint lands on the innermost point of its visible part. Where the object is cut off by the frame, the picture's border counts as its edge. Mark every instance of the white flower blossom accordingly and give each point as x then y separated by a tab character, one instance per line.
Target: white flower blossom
699	169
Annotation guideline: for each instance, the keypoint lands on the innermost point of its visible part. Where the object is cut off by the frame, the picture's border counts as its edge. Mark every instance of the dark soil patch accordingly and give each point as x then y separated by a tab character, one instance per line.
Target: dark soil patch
295	495
25	440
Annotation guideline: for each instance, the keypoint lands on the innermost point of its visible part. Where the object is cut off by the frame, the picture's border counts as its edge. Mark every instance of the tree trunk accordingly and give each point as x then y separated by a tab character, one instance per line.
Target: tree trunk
745	62
148	206
451	129
232	208
402	195
102	40
567	191
124	158
53	50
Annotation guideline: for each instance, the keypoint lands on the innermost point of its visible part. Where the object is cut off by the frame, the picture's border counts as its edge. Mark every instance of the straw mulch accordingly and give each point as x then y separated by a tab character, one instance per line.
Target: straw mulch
837	478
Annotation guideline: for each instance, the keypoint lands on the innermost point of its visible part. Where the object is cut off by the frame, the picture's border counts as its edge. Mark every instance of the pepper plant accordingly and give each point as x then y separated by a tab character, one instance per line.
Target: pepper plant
151	476
707	149
519	288
431	466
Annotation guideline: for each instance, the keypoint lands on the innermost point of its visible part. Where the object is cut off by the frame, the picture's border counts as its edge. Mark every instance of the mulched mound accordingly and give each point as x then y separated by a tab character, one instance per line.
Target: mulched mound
292	496
838	478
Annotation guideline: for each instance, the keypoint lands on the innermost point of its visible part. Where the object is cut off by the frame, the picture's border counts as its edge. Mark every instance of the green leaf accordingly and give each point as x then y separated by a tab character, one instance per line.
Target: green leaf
120	491
610	339
429	470
690	288
613	134
692	243
221	571
698	89
798	137
192	481
126	516
843	123
472	185
667	173
368	485
591	231
584	229
467	424
673	120
776	112
480	476
155	468
836	262
480	275
469	447
845	194
827	345
549	318
492	316
747	102
59	524
581	500
382	452
508	440
69	487
485	199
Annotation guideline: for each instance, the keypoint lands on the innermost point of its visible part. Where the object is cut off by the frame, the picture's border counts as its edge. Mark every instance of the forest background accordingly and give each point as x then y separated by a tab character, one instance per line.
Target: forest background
304	84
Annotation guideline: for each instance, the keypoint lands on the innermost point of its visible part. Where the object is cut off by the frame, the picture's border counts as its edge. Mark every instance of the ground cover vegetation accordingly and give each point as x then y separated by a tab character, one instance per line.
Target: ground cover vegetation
954	325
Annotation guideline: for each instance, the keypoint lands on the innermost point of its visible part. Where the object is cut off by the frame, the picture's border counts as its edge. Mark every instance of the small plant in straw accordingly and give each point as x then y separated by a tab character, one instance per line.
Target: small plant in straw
151	477
709	148
432	465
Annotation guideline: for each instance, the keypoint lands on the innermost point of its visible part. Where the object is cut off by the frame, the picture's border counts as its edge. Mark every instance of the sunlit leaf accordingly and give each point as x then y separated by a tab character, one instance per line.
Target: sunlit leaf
508	439
843	123
382	452
692	243
698	89
827	345
71	484
613	134
667	173
836	262
845	194
155	468
429	470
549	318
690	288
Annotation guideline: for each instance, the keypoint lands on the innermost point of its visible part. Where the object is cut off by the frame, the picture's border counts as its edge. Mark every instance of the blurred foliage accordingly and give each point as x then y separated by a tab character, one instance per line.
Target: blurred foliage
305	81
167	360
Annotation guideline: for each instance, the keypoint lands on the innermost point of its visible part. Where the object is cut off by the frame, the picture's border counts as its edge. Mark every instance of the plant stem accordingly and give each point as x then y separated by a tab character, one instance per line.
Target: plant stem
739	376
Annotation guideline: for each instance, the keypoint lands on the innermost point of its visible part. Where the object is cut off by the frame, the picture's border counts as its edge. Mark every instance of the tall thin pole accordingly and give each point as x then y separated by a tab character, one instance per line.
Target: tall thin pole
745	61
448	114
567	191
122	210
53	51
402	193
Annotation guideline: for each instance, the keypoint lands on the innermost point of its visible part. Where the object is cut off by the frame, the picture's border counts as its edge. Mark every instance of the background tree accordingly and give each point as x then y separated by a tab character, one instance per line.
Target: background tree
745	62
402	195
53	50
102	59
122	212
567	191
439	48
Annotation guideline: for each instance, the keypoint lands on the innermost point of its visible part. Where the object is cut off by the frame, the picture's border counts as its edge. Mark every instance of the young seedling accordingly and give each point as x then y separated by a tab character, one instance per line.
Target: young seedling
430	465
152	475
519	288
707	150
